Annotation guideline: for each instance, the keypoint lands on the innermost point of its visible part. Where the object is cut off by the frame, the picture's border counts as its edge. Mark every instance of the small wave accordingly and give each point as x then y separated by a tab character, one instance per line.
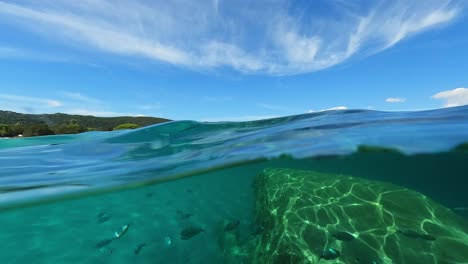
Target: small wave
100	160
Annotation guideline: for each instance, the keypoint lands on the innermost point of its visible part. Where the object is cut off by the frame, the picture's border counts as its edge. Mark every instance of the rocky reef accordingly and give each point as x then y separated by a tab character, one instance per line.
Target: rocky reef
311	217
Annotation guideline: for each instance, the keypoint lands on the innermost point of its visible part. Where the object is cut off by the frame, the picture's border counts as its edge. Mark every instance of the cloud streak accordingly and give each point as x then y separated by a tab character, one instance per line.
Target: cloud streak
81	97
244	36
216	99
7	52
238	118
393	100
272	107
153	106
80	111
30	104
50	103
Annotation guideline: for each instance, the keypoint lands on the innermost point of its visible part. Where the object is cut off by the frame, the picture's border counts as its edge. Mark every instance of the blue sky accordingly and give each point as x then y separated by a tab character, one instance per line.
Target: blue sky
231	60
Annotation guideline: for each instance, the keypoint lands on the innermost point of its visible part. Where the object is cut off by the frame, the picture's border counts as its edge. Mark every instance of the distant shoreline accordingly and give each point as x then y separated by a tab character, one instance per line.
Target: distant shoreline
13	124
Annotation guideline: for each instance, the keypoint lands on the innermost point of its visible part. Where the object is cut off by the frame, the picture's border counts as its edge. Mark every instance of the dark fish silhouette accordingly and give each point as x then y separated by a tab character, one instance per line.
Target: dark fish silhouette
231	225
183	216
190	232
139	248
414	234
344	236
103	217
258	230
329	254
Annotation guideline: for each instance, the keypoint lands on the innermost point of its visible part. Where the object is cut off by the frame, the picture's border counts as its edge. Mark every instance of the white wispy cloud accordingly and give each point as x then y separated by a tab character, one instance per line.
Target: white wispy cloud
154	106
395	100
244	35
454	97
80	97
39	105
329	109
216	99
79	111
8	52
18	99
238	118
272	107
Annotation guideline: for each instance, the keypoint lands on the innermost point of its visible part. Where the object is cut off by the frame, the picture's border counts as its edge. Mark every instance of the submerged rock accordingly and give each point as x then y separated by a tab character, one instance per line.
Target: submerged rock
303	212
190	232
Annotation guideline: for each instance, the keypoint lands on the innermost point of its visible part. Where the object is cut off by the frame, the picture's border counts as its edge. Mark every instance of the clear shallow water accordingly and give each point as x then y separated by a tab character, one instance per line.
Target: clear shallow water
137	170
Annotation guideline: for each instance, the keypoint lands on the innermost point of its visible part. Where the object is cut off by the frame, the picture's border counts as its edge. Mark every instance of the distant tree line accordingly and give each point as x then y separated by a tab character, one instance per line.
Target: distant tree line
13	124
30	130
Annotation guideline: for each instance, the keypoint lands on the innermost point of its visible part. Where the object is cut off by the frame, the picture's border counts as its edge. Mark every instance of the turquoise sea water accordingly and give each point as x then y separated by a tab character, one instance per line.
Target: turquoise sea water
171	192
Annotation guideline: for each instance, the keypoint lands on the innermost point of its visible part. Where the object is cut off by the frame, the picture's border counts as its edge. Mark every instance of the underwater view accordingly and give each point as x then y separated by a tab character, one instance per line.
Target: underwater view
348	186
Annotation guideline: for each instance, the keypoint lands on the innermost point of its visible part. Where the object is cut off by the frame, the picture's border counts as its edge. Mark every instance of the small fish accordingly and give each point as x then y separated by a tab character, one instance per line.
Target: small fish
167	240
190	232
258	231
103	217
344	236
106	250
150	194
139	248
186	216
231	225
103	243
414	234
189	190
183	216
122	231
330	254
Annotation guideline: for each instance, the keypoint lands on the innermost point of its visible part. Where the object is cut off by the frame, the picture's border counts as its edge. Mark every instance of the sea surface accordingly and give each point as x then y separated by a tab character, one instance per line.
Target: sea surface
174	192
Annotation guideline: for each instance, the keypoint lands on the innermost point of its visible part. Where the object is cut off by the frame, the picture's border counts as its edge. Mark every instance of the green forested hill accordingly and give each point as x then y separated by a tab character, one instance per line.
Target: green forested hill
64	123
